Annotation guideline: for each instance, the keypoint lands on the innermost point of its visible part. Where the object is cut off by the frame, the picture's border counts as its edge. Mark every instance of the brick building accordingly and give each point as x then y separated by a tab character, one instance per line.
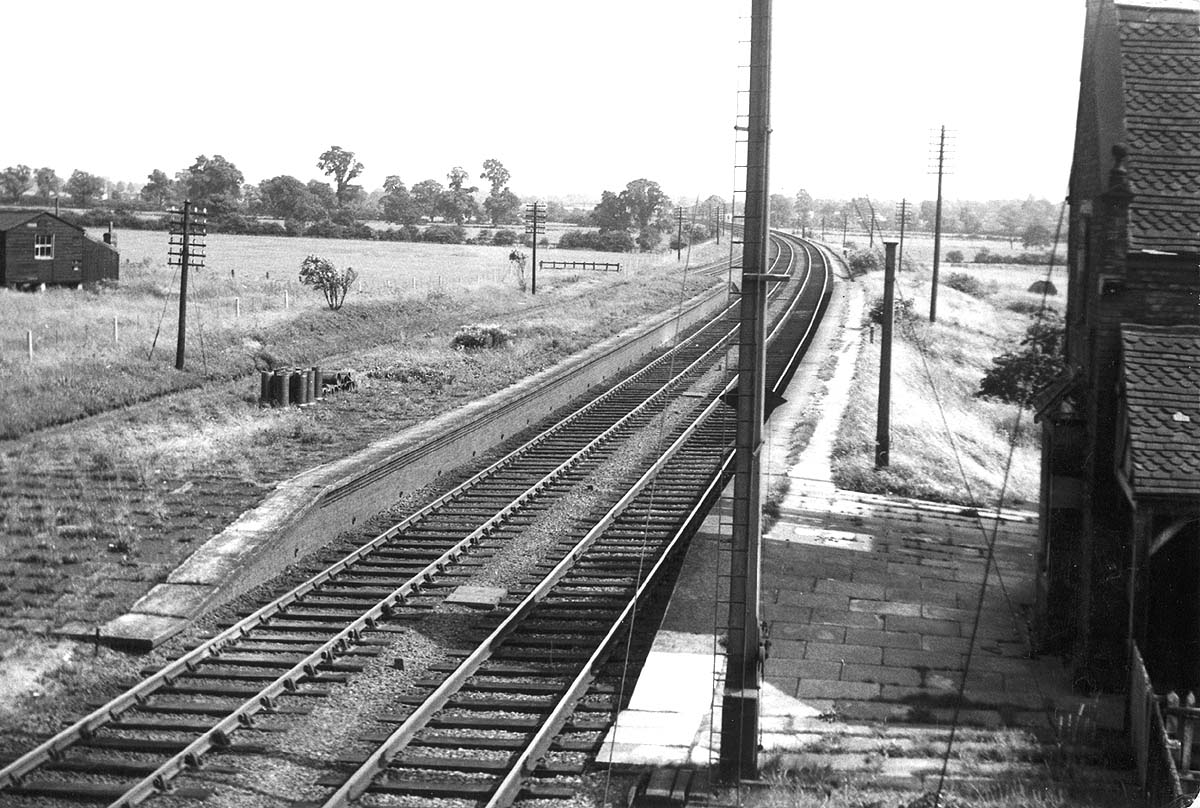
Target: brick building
1120	500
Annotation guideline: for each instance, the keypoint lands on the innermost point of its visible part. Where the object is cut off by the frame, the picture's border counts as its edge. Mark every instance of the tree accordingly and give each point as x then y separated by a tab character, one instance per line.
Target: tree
782	212
15	181
1036	235
1009	220
804	205
1016	376
288	198
215	184
321	274
47	181
612	212
83	187
501	204
457	203
397	204
425	194
968	217
160	189
341	165
646	203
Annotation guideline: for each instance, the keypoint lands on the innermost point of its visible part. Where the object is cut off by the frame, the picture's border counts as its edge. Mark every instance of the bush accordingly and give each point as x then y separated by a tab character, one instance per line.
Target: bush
444	234
1024	305
321	274
504	238
968	284
903	311
954	256
863	261
479	335
1016	376
603	241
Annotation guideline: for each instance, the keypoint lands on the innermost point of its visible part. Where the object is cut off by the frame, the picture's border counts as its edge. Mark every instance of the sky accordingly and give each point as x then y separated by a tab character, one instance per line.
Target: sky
574	98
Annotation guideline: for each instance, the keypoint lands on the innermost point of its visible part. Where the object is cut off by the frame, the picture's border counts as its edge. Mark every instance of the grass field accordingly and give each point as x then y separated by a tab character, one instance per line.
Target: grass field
99	348
946	443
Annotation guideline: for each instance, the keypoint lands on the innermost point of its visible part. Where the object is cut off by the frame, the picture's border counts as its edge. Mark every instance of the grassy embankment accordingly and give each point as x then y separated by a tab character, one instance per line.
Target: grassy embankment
947	444
247	312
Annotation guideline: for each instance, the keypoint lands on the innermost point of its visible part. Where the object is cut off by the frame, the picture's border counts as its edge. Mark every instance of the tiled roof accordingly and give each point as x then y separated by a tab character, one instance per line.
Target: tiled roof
15	218
1162	399
1160	60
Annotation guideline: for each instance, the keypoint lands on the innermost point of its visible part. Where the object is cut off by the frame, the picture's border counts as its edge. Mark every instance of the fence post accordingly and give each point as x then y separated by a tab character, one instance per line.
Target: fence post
285	298
116	332
237	307
29	341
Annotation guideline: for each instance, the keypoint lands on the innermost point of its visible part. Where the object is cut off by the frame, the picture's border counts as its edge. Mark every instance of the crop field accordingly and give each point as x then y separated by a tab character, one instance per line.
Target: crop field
74	352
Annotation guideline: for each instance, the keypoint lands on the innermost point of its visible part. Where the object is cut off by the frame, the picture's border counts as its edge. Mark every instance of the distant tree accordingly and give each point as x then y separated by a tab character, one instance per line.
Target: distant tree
1035	235
323	193
215	184
15	181
969	220
804	205
47	181
322	275
159	189
928	215
646	203
290	199
84	187
457	203
501	205
425	195
612	212
340	164
397	204
782	211
1008	217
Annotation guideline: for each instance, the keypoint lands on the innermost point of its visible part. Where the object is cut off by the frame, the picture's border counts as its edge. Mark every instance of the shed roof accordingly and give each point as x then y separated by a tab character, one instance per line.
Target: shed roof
1162	402
15	218
1160	64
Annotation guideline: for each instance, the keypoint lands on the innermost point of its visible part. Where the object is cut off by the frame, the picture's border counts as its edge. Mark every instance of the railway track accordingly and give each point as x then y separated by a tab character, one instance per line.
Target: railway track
491	723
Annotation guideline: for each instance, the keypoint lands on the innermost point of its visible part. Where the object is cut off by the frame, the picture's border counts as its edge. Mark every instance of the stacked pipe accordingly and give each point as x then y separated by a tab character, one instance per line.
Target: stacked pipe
284	387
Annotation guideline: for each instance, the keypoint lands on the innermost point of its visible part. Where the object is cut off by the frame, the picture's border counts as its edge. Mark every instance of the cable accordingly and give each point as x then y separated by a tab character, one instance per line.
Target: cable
166	300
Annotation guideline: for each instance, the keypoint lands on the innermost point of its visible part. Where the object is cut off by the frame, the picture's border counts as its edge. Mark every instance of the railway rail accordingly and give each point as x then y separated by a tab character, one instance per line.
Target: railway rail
494	722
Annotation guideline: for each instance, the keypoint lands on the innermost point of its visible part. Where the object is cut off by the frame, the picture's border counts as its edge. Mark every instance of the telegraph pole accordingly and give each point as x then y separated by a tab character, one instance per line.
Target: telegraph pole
883	421
937	226
743	668
535	226
845	220
186	250
903	221
679	237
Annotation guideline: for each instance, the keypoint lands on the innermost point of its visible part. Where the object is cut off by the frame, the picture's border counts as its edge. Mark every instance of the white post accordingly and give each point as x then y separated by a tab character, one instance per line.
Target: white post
116	332
237	307
29	340
285	297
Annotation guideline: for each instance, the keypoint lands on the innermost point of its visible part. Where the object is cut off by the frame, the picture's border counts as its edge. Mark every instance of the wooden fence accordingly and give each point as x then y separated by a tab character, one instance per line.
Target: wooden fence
593	265
1162	733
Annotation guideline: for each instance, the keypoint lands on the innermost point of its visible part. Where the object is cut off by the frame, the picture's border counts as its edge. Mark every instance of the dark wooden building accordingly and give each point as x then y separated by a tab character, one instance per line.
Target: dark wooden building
1119	559
39	248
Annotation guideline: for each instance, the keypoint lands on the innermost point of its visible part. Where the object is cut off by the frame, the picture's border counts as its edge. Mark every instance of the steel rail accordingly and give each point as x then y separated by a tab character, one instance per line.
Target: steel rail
360	780
12	773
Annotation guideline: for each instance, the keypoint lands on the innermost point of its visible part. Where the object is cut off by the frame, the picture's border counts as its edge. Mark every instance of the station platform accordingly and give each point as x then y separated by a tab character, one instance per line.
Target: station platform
870	603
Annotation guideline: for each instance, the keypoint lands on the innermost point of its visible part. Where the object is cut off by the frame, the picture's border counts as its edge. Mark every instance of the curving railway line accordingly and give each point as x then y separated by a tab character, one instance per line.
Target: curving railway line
515	714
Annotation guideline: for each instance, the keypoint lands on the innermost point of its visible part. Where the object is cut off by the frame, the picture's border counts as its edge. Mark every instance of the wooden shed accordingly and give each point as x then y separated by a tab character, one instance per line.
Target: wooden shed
39	248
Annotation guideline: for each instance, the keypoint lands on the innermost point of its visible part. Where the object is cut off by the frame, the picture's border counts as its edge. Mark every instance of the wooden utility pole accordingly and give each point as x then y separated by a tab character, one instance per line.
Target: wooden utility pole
186	251
535	227
937	227
679	237
883	421
903	221
743	668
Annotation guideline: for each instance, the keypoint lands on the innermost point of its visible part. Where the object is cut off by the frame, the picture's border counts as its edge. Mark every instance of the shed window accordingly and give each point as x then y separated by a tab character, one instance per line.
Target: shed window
43	246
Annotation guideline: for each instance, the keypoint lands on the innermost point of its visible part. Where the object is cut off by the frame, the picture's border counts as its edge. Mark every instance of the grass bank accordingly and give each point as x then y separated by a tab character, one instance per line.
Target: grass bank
947	444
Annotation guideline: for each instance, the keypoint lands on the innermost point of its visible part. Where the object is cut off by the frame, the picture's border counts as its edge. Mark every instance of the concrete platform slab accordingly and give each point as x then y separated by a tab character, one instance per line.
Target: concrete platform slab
477	597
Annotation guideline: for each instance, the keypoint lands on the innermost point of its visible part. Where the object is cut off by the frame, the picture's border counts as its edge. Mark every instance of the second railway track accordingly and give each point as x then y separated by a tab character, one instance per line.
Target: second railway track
487	723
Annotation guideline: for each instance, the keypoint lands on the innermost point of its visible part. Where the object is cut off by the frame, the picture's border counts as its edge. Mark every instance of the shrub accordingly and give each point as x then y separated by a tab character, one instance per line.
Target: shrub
903	311
504	238
954	256
444	234
1016	376
968	284
321	274
1024	305
863	261
479	335
604	241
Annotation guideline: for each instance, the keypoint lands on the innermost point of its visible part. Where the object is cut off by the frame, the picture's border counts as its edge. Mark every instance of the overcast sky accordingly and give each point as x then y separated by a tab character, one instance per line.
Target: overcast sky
573	97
